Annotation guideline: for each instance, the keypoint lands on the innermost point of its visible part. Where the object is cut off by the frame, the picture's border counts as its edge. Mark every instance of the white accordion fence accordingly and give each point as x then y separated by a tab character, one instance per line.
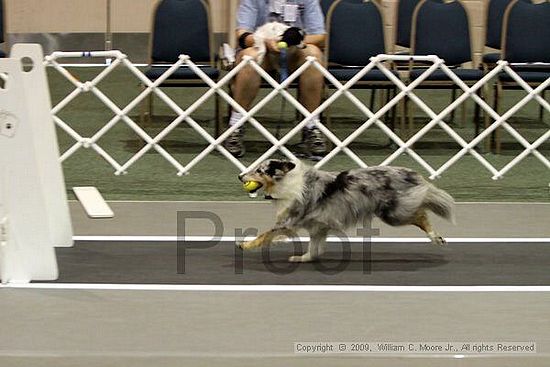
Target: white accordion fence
372	118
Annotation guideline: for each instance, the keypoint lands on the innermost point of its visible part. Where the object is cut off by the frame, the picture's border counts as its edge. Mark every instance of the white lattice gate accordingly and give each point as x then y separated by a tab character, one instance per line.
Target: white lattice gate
372	118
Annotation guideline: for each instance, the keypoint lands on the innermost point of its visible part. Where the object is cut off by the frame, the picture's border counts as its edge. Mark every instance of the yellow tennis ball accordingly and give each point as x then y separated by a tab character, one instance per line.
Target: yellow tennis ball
282	44
251	185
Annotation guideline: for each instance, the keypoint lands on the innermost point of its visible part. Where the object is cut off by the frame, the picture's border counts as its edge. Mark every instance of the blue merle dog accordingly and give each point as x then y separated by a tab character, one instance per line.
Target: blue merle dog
320	201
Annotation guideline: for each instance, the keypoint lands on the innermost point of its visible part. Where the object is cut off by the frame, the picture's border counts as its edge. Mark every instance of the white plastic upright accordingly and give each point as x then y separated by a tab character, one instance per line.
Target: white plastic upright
45	143
26	248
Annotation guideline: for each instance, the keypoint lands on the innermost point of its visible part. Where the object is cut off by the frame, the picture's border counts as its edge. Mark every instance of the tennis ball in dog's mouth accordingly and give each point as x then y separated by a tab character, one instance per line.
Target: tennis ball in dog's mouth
250	186
282	44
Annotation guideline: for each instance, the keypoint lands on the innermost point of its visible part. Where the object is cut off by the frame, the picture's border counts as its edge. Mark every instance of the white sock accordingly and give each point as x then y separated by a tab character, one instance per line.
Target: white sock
235	117
312	122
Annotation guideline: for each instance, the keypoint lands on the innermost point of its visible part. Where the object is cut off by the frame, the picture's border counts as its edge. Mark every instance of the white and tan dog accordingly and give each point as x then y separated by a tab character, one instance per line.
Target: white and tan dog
269	31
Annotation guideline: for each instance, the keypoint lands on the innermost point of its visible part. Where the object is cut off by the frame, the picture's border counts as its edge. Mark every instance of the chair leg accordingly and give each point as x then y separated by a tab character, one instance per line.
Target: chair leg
391	112
486	116
372	97
328	117
402	118
150	107
142	109
464	111
297	115
453	97
409	111
229	110
219	117
541	108
145	108
496	133
477	110
325	115
383	98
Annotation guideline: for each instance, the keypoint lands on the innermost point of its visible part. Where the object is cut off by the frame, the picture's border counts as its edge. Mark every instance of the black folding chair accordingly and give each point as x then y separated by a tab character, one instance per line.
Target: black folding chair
355	34
182	27
442	29
493	34
525	43
403	22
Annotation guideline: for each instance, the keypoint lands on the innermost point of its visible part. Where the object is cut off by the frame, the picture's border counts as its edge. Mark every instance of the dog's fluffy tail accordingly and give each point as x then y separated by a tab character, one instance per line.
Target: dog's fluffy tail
440	202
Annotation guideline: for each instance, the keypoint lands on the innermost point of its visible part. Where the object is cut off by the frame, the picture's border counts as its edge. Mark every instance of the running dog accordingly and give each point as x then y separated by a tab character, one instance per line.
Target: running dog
320	201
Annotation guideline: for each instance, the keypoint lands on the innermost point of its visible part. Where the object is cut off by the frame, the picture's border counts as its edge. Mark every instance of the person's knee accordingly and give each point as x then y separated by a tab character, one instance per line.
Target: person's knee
251	51
247	73
312	50
312	75
301	55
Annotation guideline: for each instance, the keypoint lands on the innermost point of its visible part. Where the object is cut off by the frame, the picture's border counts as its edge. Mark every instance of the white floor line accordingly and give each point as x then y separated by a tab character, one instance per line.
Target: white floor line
267	202
231	239
275	288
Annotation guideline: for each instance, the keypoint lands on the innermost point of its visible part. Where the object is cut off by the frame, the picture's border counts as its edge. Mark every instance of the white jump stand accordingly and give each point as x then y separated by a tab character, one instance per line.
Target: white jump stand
34	214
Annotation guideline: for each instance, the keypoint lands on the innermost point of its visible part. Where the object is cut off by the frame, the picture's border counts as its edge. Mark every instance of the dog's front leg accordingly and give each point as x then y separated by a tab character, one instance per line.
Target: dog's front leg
265	238
316	248
282	219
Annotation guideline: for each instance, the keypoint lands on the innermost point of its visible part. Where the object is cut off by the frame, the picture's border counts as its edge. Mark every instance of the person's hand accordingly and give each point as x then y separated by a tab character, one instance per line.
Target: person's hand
271	45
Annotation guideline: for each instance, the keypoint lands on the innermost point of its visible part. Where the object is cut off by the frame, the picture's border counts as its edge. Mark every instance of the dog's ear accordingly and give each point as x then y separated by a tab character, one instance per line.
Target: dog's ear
288	166
278	168
293	36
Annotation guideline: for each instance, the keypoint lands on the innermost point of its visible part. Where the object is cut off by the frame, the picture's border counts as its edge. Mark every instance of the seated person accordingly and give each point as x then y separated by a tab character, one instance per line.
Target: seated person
303	14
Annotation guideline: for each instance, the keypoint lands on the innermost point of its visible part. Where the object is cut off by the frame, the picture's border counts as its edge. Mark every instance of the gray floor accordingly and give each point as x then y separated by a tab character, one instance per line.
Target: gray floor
487	220
158	328
98	327
378	264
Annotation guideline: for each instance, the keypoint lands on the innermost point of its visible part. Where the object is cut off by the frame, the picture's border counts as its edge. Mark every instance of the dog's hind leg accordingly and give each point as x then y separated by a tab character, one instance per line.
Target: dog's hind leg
421	221
316	247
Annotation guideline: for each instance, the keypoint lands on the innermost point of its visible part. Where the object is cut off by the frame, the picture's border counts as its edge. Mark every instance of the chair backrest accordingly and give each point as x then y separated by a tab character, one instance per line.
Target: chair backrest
326	4
442	29
403	21
526	32
495	15
355	32
181	27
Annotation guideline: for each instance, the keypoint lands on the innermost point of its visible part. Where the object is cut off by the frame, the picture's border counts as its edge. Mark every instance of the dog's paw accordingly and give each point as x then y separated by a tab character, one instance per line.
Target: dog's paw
439	241
306	258
248	245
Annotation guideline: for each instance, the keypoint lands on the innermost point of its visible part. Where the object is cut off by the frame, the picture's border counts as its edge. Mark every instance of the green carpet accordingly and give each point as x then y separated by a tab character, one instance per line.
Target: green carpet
214	178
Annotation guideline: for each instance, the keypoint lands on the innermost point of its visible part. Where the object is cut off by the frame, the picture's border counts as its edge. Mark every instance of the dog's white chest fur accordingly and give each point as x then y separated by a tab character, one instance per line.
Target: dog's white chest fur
290	189
273	30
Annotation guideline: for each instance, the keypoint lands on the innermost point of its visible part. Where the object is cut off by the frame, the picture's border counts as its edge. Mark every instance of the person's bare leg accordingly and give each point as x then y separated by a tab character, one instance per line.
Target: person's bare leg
311	80
247	82
310	94
245	88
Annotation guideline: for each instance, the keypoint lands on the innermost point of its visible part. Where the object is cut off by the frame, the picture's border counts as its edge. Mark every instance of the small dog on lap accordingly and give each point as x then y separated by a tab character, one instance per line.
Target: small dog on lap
320	201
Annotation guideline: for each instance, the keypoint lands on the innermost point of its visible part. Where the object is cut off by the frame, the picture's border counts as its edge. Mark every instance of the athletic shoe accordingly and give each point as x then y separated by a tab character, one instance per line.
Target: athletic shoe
315	142
234	143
